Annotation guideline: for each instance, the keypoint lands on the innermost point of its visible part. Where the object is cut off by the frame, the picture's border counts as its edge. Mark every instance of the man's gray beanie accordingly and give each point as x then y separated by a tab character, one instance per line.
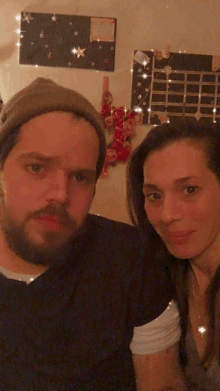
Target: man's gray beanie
43	96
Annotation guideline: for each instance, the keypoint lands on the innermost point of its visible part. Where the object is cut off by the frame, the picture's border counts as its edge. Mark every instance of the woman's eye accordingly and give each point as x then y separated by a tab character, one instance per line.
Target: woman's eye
152	197
191	189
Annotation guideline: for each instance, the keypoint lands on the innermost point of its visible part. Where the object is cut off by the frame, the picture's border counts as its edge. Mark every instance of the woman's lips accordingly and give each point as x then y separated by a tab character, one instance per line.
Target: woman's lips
178	237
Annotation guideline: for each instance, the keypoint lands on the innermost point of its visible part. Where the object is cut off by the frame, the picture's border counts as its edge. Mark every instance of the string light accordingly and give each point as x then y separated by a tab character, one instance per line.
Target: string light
144	76
18	31
138	109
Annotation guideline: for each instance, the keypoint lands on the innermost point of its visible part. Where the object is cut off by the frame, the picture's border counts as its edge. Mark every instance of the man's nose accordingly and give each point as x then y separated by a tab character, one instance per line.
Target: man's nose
57	190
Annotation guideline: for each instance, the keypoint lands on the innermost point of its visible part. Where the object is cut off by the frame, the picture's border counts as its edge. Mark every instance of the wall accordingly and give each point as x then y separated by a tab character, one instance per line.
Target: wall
190	25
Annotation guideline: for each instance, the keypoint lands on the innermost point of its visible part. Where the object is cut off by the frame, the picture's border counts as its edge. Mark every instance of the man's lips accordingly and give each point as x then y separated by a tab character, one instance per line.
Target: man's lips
49	222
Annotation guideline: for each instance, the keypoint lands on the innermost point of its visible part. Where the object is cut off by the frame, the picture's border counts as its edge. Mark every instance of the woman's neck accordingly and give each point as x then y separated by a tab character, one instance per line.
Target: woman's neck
204	269
202	276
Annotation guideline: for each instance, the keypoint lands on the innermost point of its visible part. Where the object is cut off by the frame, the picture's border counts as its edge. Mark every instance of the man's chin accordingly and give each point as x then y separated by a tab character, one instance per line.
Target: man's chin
44	254
47	243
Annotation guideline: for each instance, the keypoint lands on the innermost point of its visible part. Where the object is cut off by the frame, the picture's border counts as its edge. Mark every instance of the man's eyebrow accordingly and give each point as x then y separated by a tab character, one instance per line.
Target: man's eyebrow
37	156
54	159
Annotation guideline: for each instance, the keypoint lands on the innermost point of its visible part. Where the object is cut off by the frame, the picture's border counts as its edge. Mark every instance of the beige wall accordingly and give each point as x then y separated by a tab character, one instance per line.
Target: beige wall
190	25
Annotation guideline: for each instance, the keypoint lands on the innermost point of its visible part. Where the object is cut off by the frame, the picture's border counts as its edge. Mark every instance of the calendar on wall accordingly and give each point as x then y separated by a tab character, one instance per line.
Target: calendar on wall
171	86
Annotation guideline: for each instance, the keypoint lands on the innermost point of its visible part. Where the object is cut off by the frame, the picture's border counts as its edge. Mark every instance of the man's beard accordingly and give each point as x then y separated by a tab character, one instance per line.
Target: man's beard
56	249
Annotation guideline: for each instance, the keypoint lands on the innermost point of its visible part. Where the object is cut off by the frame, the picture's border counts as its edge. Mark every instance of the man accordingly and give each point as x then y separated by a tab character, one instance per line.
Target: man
73	286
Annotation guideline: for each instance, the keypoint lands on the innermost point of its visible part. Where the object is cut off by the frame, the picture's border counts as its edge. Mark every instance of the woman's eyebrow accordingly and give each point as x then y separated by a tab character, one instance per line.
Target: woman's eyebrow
177	181
150	186
185	179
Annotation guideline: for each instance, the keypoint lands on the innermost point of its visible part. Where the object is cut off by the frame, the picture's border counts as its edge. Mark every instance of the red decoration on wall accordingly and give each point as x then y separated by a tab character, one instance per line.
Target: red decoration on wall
120	125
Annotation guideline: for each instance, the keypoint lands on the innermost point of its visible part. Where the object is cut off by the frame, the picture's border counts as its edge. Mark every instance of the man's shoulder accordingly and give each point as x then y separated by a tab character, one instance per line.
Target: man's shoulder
114	233
111	226
101	220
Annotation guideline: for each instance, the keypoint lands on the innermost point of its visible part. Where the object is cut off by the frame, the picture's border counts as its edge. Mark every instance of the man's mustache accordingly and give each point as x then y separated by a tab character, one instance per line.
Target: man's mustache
59	212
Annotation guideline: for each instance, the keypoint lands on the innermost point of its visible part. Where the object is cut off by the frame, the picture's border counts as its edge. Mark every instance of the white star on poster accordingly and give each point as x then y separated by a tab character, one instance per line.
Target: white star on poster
41	34
54	18
80	52
27	18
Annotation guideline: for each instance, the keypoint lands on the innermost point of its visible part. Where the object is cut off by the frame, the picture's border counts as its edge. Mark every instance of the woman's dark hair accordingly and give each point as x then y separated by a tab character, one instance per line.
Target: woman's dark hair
208	137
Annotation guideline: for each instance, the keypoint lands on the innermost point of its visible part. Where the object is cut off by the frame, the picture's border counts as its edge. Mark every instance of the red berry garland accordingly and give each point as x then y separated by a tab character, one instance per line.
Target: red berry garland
120	124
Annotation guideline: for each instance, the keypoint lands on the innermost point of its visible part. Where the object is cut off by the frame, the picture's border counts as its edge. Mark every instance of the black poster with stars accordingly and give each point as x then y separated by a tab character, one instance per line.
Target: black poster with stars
68	41
168	87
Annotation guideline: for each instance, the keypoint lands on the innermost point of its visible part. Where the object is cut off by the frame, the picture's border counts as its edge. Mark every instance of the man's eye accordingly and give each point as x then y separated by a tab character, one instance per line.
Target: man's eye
35	168
81	178
191	189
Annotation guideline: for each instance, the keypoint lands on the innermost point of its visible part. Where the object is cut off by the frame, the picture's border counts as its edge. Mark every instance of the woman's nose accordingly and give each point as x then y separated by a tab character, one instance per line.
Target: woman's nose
170	209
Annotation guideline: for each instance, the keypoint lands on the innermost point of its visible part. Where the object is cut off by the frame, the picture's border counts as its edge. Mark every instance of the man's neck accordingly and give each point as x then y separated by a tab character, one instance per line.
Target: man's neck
12	262
28	278
18	265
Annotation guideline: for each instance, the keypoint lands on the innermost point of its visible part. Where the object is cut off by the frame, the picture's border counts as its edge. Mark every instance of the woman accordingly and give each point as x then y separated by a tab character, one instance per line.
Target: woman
173	189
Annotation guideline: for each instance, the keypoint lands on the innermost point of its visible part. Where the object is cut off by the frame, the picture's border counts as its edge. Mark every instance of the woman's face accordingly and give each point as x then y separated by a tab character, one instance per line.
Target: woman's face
182	200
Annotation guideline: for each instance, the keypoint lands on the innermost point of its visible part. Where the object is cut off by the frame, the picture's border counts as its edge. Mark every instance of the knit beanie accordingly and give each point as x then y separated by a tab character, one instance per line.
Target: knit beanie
43	96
